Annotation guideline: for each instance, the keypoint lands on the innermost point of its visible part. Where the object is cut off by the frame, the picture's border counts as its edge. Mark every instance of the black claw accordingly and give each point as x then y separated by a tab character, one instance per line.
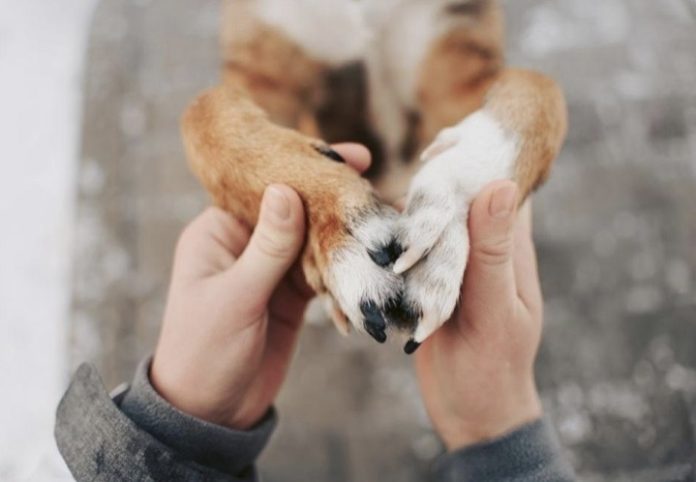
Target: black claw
387	254
379	336
374	321
401	313
411	346
325	150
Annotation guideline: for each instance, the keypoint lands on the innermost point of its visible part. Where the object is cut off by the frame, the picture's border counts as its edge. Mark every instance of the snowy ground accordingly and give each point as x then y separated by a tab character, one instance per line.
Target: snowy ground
42	48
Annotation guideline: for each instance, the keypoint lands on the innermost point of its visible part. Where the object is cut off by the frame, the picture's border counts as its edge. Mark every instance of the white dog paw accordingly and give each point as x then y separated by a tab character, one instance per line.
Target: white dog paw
360	278
436	244
433	230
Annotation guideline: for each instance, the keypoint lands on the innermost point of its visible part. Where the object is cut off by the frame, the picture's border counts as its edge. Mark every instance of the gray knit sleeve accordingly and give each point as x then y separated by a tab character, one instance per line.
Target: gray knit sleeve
139	436
529	454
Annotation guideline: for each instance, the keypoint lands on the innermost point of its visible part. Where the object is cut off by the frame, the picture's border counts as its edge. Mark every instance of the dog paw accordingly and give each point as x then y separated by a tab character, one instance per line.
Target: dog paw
359	277
436	243
433	231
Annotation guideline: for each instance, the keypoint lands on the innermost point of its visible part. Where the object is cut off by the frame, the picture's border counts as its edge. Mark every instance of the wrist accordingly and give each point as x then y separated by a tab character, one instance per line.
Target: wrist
492	423
210	396
185	390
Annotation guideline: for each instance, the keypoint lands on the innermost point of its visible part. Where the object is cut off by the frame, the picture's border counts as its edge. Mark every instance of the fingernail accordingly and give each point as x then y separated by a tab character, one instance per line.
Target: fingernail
277	203
330	153
503	201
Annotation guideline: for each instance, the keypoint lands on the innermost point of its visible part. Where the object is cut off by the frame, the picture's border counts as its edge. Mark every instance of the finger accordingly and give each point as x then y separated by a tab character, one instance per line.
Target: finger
490	278
290	299
210	244
357	156
273	248
524	218
525	261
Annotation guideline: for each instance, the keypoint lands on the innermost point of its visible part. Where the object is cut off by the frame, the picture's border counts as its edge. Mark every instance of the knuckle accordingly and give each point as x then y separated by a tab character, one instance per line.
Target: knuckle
187	238
494	252
275	247
198	228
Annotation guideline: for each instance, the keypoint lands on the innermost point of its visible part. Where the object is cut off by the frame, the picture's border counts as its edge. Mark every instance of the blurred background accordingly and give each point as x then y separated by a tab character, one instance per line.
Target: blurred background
95	190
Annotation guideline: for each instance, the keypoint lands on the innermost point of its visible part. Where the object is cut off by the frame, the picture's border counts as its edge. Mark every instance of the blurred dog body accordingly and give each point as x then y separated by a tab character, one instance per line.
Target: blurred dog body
407	78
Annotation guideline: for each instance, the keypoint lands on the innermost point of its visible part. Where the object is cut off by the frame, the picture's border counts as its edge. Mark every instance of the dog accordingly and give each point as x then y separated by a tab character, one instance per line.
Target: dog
409	79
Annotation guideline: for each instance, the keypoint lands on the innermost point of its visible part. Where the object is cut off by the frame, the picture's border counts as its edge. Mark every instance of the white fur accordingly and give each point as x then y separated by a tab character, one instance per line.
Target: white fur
473	153
459	163
331	31
403	31
391	36
436	281
353	277
339	31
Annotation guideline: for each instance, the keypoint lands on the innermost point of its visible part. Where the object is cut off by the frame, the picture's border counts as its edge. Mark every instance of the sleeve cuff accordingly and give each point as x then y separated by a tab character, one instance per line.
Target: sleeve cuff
99	442
530	453
230	451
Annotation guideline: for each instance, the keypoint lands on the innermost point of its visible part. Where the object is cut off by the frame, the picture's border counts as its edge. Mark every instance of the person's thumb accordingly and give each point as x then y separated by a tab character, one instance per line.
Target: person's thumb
490	275
274	244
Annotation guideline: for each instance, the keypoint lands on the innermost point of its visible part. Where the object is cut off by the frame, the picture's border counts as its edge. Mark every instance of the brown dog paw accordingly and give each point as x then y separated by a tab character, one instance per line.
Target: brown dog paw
356	270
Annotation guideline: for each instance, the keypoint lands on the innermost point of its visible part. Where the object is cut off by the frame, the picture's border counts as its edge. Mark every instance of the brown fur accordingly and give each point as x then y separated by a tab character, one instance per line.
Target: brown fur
236	146
295	90
533	107
237	152
280	78
465	71
460	69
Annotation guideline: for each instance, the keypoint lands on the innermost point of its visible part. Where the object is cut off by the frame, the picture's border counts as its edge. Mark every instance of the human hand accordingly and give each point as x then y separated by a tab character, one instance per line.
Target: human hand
234	309
476	373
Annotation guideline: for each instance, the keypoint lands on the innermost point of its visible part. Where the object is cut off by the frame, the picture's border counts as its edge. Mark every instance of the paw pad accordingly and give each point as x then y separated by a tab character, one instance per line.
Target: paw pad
386	255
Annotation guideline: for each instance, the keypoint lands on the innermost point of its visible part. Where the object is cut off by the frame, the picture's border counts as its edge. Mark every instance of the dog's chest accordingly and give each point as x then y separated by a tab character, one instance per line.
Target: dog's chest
375	49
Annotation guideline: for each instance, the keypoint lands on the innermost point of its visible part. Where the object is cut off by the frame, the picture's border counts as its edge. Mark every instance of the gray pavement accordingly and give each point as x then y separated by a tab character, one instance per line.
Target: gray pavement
615	230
